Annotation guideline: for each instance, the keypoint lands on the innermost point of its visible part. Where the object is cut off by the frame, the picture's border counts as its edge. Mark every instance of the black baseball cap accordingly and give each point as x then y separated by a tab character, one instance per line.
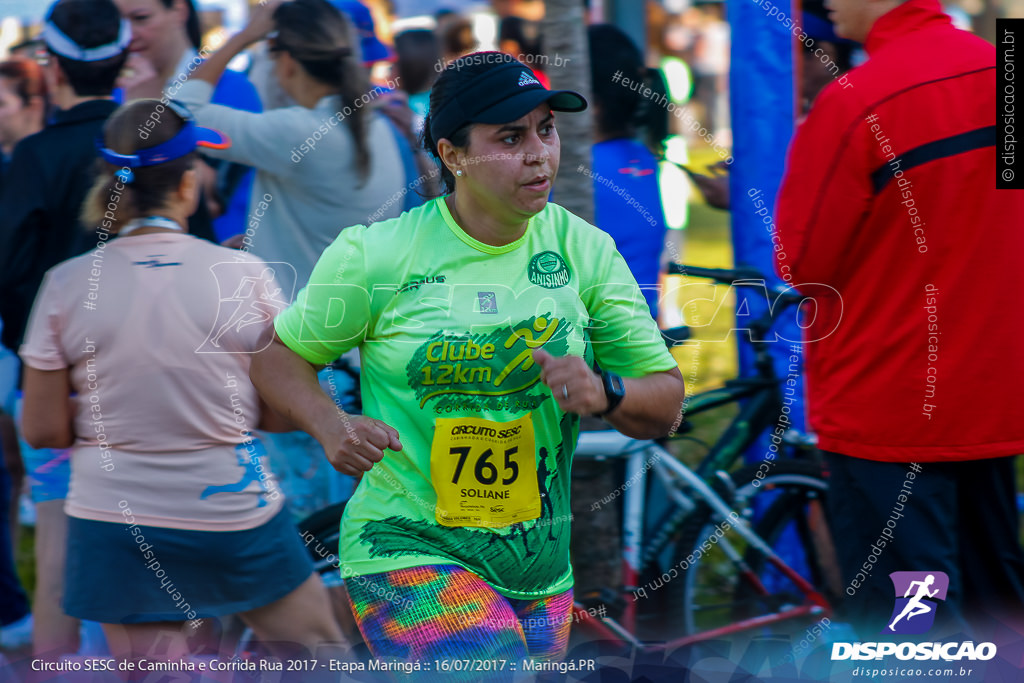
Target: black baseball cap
507	91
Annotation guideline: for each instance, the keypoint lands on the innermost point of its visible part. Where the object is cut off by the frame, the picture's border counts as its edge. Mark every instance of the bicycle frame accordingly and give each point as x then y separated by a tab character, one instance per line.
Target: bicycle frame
679	480
760	408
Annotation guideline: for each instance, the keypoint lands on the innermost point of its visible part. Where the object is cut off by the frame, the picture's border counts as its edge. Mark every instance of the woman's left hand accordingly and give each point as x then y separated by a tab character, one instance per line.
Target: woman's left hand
261	20
575	387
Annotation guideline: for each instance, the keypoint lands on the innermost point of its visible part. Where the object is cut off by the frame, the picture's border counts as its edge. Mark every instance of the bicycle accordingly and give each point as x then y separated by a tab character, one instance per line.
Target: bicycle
700	502
746	585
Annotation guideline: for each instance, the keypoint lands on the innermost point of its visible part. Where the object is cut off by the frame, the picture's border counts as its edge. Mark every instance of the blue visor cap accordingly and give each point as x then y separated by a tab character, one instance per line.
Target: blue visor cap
185	142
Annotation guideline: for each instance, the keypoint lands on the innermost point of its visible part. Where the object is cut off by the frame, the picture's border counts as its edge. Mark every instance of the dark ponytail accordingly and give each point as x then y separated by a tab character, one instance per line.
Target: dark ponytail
621	111
354	84
652	117
320	38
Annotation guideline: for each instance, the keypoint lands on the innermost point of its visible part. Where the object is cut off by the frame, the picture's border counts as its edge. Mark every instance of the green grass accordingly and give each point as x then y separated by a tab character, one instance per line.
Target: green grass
24	560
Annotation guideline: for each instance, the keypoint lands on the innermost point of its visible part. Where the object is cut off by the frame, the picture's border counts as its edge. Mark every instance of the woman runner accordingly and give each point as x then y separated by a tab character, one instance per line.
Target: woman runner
479	317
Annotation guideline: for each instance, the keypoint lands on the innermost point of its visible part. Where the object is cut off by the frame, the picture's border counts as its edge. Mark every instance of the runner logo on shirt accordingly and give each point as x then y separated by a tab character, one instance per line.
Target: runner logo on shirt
548	269
494	370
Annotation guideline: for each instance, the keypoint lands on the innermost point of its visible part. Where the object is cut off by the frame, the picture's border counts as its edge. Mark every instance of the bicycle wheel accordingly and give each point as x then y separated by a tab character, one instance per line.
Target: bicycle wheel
795	525
713	564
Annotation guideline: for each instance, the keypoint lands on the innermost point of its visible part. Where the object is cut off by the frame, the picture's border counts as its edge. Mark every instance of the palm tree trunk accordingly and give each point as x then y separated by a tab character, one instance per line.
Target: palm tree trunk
595	550
568	67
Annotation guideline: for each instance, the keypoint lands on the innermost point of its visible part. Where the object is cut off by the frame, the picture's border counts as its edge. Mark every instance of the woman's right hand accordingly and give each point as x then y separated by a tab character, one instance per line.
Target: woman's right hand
139	78
353	443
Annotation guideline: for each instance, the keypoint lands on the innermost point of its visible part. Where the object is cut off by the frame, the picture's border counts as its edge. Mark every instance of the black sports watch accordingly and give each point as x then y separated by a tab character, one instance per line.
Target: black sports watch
614	391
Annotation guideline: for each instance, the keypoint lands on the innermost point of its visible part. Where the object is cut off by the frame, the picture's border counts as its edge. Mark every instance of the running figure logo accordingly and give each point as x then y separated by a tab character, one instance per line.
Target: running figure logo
914	612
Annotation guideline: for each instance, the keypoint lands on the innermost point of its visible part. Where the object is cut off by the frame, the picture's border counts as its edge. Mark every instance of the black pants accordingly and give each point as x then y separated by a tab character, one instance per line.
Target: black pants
959	518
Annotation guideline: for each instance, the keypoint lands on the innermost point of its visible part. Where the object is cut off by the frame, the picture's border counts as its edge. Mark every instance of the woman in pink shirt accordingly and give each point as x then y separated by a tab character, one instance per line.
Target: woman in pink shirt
137	356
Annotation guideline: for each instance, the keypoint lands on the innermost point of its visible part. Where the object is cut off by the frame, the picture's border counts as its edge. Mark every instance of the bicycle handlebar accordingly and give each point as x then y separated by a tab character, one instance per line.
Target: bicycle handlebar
780	296
741	276
724	276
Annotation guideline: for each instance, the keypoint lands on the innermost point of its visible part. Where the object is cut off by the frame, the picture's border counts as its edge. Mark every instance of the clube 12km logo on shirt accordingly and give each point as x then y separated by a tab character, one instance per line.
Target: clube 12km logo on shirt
917	599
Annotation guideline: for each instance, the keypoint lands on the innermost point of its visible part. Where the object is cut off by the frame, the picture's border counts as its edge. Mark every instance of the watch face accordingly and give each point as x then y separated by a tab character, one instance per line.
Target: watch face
616	385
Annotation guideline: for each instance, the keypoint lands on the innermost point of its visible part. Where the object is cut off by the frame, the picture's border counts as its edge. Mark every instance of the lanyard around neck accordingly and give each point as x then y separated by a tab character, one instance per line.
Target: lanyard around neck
149	222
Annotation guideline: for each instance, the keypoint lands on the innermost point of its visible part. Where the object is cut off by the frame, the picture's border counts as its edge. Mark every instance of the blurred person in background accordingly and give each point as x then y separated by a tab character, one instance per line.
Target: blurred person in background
416	69
22	113
47	181
817	72
168	485
455	34
22	105
521	38
371	50
627	200
711	70
165	50
834	60
392	99
329	161
325	163
394	103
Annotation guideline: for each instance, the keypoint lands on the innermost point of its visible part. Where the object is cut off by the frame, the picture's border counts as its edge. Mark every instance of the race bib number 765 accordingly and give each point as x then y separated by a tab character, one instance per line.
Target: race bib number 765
484	472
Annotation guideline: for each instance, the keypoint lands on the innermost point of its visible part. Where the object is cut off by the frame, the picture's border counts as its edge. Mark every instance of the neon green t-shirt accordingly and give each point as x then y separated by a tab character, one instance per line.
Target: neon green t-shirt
445	326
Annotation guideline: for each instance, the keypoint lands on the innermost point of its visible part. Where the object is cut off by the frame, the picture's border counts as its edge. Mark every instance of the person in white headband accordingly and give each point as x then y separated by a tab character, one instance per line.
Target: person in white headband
59	43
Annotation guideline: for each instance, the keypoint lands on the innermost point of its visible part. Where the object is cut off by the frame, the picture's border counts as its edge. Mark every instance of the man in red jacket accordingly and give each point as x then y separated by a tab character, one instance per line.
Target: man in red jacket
889	198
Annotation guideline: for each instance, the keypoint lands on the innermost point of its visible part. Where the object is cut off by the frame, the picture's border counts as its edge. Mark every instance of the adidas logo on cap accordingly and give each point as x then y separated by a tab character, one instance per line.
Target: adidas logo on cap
526	79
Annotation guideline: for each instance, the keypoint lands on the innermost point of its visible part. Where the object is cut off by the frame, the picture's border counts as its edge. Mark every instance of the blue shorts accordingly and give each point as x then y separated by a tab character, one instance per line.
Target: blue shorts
160	574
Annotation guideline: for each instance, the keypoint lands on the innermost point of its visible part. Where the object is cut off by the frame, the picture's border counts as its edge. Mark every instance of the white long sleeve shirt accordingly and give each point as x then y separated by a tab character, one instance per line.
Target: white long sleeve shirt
307	188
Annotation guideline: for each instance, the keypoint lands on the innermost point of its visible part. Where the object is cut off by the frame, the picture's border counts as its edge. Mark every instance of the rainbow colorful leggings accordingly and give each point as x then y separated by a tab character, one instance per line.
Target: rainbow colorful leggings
443	612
